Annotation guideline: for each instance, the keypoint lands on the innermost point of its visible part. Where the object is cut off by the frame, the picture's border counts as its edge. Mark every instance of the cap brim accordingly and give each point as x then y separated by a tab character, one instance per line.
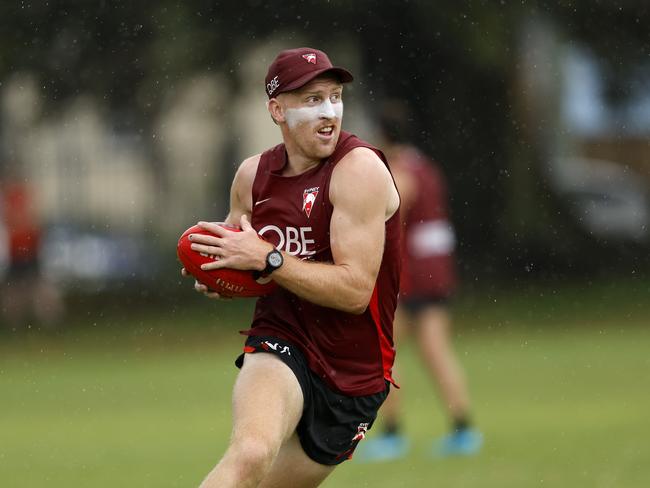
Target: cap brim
343	74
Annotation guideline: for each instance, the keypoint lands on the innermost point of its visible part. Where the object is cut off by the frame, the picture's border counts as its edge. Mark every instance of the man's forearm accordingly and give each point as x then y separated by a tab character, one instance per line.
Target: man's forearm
330	285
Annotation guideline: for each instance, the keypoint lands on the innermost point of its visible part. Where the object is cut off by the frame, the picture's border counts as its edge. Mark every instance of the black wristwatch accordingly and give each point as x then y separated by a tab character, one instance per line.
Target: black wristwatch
274	260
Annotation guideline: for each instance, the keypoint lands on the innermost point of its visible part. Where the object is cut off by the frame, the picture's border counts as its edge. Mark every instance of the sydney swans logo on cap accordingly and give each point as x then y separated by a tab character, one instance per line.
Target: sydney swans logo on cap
310	58
272	85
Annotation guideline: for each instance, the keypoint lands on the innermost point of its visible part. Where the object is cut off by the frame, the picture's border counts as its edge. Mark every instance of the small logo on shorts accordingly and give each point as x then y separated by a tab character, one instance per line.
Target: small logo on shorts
276	347
361	431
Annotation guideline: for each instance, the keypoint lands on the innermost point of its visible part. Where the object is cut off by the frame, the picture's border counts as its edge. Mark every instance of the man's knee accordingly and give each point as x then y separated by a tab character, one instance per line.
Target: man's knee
253	453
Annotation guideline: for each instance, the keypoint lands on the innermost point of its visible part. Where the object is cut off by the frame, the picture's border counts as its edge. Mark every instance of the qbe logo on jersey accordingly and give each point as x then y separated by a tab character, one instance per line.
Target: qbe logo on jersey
294	240
308	199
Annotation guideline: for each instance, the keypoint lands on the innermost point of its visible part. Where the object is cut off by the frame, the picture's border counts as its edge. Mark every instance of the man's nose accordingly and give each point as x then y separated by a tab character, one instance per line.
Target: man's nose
327	110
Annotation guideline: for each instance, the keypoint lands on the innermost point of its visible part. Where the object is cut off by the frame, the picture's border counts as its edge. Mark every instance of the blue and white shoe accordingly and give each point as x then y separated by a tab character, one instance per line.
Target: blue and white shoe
460	443
387	447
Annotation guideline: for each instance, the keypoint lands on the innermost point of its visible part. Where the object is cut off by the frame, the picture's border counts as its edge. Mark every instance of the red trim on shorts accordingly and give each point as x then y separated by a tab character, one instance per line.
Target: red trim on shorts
249	349
387	350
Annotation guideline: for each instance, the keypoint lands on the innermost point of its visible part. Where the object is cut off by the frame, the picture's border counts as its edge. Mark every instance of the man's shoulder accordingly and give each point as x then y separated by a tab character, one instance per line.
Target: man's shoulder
248	169
250	162
360	173
353	148
360	158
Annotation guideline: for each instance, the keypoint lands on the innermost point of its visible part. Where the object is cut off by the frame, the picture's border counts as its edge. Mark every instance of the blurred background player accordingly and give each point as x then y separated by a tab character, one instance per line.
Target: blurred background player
27	295
428	281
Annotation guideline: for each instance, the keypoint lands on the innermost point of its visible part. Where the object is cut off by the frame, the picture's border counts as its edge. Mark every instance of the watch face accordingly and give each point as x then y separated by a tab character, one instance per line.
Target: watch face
275	259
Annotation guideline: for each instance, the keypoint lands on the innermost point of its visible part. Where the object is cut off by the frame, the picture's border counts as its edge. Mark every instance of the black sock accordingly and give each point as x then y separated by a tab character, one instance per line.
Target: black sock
391	428
461	423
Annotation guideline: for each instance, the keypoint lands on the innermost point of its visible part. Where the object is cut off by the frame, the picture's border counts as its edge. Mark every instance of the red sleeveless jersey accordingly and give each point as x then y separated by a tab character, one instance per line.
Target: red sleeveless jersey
428	269
353	354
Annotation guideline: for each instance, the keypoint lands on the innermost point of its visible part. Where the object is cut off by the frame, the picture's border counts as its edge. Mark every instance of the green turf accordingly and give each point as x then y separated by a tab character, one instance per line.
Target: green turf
559	379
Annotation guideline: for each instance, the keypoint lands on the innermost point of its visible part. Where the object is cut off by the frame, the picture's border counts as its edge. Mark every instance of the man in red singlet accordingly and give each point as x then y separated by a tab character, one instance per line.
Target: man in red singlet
25	293
317	361
428	282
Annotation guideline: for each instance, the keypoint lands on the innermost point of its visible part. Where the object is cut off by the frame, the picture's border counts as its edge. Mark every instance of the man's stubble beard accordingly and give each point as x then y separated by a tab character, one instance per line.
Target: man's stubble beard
309	144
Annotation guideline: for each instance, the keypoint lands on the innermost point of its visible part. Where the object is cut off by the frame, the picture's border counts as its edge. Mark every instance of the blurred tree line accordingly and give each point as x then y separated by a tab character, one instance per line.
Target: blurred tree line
453	60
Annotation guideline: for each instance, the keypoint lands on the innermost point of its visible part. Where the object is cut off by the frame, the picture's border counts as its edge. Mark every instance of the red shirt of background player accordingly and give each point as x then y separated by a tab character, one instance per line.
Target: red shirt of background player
428	239
23	231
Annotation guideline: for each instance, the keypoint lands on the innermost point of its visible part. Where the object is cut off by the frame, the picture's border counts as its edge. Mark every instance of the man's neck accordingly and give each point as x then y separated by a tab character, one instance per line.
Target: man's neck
297	162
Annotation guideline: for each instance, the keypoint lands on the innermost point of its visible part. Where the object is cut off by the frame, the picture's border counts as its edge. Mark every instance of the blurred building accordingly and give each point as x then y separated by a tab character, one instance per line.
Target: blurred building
581	177
115	197
129	120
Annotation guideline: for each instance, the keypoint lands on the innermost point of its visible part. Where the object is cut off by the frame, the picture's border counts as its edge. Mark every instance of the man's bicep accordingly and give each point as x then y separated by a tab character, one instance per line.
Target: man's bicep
357	234
237	206
241	191
359	193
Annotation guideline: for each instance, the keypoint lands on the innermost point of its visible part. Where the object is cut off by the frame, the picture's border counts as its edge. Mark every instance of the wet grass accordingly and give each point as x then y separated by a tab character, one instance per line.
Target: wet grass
138	397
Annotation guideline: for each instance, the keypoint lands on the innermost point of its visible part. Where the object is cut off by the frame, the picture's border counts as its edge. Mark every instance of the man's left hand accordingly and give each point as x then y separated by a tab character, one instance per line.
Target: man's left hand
234	250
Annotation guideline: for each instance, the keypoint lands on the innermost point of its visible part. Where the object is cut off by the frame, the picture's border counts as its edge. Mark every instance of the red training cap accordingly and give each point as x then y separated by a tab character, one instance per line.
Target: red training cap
294	68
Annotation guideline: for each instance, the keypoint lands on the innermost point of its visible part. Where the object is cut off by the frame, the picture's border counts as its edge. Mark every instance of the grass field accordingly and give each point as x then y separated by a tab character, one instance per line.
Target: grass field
560	381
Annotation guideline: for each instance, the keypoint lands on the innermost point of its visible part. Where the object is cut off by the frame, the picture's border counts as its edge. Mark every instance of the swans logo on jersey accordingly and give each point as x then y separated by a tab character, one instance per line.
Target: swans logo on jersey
310	58
308	199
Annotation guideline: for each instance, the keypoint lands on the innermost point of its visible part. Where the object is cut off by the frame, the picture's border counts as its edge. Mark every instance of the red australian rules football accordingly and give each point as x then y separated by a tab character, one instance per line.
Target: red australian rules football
227	282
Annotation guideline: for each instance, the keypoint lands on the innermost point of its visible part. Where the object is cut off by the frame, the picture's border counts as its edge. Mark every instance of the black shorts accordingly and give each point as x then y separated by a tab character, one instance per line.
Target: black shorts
332	424
416	304
23	270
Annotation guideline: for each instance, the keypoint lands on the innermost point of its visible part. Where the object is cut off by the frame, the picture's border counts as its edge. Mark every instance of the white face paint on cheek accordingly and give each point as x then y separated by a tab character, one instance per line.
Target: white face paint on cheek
338	110
327	109
296	116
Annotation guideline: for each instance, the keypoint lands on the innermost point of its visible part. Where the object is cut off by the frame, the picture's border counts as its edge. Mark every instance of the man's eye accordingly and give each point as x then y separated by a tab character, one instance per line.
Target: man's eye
335	97
313	99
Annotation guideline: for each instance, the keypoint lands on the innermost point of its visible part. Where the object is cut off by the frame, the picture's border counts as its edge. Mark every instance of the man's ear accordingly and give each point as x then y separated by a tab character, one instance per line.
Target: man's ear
276	110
